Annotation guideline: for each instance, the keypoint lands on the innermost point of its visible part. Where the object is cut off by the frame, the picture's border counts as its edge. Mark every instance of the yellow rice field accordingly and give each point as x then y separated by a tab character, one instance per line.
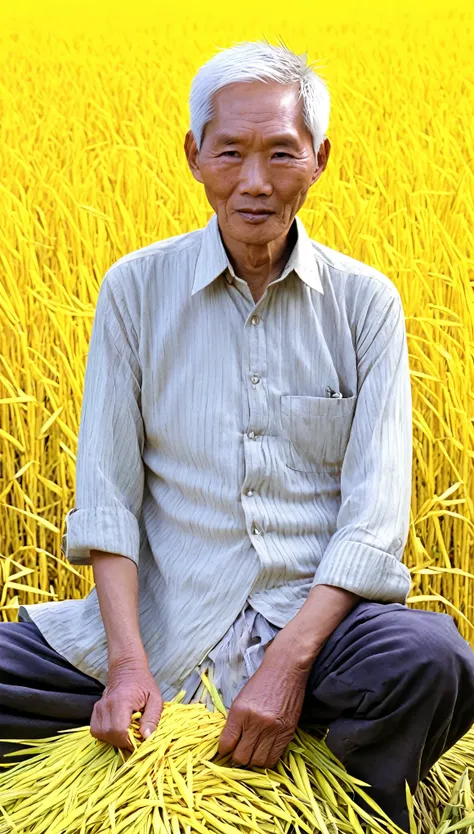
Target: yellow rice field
93	117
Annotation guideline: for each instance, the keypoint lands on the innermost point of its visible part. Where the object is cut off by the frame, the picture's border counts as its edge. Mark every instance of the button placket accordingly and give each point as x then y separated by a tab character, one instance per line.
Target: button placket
256	373
255	368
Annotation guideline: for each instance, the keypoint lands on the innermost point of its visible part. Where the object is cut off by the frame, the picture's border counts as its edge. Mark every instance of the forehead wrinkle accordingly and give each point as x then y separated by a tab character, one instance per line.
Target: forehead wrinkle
228	137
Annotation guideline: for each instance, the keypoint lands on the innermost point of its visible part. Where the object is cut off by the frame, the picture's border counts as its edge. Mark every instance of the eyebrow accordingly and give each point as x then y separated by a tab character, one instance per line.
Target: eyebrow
286	139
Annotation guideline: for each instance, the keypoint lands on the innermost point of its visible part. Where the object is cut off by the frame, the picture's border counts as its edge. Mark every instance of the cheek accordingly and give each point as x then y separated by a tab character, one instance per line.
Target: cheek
219	180
290	182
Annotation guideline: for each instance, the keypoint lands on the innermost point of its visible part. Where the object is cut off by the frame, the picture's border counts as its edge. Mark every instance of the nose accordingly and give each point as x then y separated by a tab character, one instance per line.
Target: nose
254	177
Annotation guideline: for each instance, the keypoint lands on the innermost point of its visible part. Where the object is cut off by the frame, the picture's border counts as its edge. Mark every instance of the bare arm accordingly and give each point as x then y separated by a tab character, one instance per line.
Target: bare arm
304	636
264	715
131	686
116	580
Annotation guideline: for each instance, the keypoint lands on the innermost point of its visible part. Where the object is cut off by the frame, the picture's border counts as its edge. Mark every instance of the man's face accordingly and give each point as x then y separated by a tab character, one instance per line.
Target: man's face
257	155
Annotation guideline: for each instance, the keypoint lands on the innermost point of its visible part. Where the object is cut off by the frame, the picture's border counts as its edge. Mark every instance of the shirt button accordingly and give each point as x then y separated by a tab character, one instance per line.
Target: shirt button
249	493
256	529
255	320
251	435
255	379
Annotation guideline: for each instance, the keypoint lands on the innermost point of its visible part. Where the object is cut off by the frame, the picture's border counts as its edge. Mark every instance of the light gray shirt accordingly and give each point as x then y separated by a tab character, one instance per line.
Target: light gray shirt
234	660
237	452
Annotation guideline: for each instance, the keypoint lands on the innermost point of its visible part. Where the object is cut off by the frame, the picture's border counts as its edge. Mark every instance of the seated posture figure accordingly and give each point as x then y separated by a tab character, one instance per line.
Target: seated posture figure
244	475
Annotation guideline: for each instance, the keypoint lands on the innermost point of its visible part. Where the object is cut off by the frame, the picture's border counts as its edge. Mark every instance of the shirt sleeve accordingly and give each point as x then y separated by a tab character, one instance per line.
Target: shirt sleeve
364	554
109	465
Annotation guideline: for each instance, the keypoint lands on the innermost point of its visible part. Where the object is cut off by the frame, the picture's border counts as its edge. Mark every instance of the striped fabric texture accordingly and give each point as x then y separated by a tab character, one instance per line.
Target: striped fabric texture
237	452
234	660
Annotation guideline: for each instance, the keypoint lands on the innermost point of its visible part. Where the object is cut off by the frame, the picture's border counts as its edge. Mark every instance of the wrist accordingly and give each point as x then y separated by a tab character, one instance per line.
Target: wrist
304	636
132	657
294	648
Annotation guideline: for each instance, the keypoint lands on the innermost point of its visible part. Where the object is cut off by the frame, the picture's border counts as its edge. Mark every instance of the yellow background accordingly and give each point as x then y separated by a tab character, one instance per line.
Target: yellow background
93	115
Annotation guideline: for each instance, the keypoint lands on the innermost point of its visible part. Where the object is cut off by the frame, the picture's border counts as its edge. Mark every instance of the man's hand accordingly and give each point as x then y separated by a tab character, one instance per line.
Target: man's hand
264	715
131	688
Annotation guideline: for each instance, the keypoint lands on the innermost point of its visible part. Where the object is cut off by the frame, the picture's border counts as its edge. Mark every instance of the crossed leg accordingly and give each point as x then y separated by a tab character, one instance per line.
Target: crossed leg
395	686
40	691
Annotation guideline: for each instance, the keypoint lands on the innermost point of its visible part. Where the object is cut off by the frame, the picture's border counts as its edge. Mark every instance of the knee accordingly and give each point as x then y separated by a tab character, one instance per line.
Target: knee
434	646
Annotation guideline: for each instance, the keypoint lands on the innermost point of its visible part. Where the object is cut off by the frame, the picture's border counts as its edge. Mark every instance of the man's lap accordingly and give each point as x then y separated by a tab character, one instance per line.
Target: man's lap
392	631
383	624
23	643
374	643
41	693
390	682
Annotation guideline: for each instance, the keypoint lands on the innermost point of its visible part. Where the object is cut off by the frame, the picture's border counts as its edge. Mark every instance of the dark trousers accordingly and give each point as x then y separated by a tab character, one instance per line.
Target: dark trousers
394	685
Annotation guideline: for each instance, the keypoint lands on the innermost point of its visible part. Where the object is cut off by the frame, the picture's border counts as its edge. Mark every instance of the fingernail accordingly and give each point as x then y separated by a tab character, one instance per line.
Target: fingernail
146	732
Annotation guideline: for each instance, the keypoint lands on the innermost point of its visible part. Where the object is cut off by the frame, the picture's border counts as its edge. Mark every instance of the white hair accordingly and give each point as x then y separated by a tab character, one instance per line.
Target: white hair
259	61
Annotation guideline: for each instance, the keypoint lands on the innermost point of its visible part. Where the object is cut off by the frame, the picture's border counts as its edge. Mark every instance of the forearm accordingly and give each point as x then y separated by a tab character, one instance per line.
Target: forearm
116	579
304	636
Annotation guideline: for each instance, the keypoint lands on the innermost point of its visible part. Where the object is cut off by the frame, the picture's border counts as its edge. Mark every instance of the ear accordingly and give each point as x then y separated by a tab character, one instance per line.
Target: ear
192	155
322	161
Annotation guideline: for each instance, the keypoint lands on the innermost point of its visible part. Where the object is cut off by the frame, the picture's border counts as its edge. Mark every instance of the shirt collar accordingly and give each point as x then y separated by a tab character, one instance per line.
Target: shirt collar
212	259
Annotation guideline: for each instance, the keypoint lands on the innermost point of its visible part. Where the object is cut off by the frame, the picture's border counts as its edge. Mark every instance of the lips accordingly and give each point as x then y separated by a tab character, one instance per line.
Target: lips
257	213
254	216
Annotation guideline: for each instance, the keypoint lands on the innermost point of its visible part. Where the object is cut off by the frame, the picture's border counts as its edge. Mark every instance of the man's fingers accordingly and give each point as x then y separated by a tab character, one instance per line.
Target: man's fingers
245	749
151	715
249	739
263	752
110	722
272	753
230	735
120	721
121	739
117	738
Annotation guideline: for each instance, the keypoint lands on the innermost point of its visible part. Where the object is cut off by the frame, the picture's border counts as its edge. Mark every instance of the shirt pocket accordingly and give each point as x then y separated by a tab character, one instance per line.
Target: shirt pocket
316	431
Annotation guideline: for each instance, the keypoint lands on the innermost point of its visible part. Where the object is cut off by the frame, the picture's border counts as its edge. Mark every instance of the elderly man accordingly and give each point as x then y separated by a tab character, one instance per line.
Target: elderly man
244	475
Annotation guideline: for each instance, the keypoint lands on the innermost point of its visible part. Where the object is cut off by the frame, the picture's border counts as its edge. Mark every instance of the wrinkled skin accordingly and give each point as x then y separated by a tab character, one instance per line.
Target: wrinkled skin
131	688
256	171
264	715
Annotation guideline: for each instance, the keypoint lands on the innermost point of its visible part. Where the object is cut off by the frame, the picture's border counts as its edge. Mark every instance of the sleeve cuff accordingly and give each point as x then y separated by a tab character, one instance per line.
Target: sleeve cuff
365	570
113	530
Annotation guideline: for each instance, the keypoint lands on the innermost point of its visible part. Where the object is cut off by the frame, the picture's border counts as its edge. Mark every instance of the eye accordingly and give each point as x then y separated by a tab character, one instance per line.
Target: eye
282	153
225	153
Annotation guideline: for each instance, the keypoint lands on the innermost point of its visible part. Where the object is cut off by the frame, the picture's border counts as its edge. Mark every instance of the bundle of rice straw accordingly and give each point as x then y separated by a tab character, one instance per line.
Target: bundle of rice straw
173	783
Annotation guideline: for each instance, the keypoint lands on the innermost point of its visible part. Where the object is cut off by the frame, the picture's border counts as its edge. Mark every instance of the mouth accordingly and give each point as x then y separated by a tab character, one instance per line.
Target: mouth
255	216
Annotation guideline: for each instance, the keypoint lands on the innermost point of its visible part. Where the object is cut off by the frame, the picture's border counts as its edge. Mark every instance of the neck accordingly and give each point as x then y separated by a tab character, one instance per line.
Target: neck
260	264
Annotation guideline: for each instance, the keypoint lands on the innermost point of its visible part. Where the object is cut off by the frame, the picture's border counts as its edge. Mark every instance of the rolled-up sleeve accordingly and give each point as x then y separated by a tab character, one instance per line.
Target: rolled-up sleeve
109	465
364	554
